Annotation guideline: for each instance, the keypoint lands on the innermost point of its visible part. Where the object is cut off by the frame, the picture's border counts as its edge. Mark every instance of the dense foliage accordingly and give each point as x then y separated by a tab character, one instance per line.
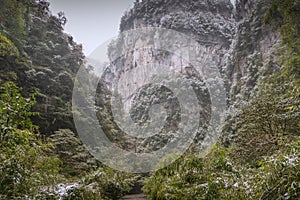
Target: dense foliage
76	158
37	54
219	176
25	167
104	183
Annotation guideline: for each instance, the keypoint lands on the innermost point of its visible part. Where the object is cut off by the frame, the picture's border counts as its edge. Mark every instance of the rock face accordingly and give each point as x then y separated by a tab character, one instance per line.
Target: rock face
210	23
232	37
253	56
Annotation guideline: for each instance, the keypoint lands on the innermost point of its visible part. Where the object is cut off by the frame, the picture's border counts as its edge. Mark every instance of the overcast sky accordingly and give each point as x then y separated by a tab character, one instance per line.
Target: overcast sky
91	22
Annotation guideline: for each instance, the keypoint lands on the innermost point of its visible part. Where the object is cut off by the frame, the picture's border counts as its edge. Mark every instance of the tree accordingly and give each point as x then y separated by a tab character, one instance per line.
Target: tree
268	122
12	21
14	110
25	167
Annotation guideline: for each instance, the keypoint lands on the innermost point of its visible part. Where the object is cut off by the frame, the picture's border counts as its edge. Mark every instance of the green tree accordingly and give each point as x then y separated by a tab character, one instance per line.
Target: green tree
25	167
12	20
75	157
268	122
7	48
14	110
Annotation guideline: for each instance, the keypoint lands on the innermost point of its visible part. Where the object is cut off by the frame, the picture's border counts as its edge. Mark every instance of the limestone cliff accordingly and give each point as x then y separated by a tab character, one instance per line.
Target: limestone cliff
210	23
254	49
232	37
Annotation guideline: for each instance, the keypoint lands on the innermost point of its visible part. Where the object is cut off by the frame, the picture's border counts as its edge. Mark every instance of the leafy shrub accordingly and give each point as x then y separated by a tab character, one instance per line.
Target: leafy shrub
14	109
76	158
277	176
192	177
218	176
25	167
105	183
7	48
82	193
268	122
280	174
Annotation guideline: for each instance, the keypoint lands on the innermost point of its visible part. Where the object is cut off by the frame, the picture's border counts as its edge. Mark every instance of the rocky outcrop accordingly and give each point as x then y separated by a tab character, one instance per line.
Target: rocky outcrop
233	38
254	50
254	57
211	23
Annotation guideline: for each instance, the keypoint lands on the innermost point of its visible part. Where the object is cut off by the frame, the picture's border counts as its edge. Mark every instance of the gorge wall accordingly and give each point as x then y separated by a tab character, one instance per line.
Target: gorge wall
210	23
232	37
